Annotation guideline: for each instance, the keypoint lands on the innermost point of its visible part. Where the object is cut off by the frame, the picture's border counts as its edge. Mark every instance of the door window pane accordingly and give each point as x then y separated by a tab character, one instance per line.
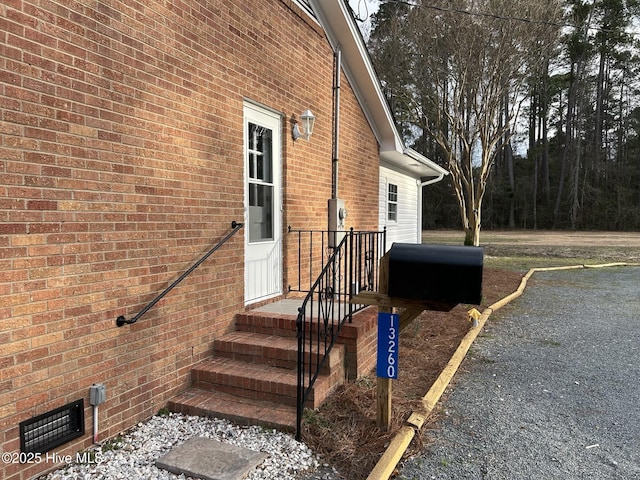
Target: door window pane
260	153
260	168
260	212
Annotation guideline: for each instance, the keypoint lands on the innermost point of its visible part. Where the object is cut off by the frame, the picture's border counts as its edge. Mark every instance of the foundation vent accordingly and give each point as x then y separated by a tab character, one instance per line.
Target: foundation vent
50	430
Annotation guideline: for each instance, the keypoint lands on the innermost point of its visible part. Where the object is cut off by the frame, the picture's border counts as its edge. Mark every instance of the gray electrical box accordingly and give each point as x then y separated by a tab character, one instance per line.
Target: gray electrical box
97	394
337	217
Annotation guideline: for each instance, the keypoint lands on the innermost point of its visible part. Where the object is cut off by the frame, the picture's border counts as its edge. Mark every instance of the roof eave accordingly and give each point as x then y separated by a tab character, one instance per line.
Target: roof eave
342	32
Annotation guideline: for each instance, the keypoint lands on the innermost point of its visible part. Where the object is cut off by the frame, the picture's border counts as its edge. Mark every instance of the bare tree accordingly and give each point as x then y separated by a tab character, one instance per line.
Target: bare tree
471	60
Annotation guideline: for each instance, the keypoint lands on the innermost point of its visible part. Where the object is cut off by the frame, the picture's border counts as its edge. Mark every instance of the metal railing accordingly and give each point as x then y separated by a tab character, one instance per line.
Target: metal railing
121	320
347	268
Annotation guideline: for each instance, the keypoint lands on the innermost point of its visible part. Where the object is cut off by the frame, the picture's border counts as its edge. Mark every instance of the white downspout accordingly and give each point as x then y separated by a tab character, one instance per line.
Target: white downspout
420	186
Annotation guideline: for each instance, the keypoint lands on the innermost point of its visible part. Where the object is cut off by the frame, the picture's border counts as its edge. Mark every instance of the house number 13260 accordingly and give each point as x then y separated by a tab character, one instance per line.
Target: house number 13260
388	326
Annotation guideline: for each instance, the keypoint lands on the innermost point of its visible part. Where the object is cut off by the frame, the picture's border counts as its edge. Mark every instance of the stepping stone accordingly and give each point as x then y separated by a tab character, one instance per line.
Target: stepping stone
209	459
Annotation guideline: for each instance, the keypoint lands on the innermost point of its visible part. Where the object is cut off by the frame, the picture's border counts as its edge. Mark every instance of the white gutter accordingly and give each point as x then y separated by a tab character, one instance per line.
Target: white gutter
431	181
434	167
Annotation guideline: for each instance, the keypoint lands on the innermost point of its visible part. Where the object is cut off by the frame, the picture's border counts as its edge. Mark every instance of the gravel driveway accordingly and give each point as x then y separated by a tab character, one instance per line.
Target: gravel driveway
550	389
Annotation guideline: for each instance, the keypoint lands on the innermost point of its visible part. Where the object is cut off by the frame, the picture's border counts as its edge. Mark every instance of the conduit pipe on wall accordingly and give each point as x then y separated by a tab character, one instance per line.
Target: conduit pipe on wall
95	424
337	67
97	395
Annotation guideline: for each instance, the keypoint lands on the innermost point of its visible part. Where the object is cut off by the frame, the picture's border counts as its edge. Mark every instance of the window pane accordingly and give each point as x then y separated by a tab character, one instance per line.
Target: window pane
252	165
393	212
393	193
264	160
260	212
259	154
392	204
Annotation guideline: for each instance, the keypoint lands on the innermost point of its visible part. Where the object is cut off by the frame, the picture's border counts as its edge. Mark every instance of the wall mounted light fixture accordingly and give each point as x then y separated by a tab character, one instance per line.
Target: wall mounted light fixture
307	120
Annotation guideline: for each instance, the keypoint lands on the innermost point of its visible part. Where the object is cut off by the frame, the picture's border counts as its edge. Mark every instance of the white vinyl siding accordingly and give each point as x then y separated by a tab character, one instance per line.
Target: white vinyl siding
405	228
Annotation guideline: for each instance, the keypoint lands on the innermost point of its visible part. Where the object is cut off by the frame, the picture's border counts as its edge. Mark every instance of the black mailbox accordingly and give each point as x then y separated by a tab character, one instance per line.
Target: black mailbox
442	274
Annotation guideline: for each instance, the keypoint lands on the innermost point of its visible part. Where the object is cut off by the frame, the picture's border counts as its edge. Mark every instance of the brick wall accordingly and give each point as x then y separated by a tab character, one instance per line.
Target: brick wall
121	162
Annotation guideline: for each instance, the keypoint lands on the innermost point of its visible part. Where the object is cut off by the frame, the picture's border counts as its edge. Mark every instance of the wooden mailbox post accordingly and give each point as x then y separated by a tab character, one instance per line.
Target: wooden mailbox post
386	304
432	277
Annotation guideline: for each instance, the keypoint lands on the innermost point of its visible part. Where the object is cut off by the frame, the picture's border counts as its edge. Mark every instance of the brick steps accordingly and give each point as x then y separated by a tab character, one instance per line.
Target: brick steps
267	324
273	350
244	411
252	376
259	381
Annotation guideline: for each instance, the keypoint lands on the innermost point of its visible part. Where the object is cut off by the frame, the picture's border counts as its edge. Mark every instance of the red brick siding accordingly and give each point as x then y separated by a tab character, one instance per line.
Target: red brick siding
122	164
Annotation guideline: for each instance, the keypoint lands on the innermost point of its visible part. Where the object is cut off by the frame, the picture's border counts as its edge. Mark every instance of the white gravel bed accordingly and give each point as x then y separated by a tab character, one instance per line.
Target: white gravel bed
133	455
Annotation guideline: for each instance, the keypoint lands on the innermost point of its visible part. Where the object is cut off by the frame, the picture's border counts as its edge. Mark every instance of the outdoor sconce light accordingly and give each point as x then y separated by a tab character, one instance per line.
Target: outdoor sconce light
305	130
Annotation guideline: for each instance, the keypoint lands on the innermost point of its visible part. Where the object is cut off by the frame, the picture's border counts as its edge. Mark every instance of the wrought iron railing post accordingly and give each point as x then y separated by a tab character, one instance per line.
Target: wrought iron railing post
301	385
352	283
348	268
384	240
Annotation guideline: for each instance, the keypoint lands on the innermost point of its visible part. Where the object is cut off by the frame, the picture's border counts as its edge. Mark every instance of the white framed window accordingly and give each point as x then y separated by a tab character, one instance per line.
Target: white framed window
260	182
392	202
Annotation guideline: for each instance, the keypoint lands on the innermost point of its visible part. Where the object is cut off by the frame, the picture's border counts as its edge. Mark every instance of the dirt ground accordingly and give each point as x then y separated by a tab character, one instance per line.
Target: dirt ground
605	246
344	429
542	237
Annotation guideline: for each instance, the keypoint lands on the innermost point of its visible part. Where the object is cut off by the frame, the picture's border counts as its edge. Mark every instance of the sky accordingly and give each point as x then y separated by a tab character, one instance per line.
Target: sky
363	9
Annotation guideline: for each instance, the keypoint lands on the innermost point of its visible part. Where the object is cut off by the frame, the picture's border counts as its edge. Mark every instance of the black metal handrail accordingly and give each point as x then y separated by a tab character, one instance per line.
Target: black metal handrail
121	320
350	267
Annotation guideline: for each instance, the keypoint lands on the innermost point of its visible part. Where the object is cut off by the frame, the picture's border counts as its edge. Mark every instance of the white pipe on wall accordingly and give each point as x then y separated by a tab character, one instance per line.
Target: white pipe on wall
421	185
95	424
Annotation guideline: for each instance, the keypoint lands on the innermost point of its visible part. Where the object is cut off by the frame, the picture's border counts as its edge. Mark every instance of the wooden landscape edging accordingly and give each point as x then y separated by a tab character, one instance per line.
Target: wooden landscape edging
400	442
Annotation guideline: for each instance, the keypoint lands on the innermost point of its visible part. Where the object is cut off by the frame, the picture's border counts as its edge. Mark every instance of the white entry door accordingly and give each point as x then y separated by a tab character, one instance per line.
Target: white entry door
262	200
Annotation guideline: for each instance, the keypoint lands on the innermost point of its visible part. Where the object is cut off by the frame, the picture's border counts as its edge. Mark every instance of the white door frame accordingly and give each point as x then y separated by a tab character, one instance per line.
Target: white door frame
262	203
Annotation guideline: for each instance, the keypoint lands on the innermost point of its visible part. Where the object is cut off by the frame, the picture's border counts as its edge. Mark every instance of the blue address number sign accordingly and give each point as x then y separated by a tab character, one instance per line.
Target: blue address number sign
388	329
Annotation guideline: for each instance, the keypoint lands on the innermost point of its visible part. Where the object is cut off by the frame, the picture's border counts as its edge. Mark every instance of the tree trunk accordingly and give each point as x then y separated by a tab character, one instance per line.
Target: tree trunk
546	181
508	154
575	204
576	70
535	191
512	186
472	232
598	127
